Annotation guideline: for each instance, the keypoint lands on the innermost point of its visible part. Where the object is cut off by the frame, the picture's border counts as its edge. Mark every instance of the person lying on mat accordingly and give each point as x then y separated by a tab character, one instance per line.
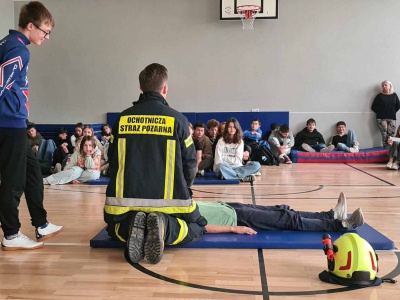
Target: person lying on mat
246	218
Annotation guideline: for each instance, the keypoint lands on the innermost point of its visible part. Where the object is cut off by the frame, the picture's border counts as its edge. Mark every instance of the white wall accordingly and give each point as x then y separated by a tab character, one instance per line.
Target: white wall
6	17
322	58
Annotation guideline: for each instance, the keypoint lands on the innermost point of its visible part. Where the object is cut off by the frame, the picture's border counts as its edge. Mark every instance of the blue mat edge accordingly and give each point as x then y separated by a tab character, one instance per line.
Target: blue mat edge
283	240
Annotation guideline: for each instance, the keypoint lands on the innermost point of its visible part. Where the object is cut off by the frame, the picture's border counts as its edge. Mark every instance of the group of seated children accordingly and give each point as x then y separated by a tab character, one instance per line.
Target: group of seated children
310	140
78	159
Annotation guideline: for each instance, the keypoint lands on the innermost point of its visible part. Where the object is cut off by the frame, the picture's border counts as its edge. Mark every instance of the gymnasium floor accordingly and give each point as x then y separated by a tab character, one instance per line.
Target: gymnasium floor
67	268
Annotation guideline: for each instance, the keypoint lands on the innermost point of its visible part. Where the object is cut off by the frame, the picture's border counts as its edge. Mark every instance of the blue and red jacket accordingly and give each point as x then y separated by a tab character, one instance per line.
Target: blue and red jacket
14	87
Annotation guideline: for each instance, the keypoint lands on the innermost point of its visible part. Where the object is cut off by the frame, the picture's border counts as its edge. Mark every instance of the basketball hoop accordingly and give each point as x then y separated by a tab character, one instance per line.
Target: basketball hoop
248	14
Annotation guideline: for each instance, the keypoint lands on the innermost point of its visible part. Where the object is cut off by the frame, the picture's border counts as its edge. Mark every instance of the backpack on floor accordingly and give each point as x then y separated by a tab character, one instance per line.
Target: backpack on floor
264	156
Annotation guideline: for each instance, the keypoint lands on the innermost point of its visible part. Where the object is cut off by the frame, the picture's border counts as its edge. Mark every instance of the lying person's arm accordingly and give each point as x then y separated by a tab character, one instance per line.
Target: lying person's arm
233	229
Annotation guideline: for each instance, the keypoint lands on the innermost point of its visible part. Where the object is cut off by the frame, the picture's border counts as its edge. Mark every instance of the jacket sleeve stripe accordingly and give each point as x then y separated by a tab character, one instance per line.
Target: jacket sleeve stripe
183	231
170	170
121	168
189	141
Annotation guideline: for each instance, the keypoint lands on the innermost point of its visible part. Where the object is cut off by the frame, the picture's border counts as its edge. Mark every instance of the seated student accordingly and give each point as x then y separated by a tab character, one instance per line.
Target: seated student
255	134
221	129
394	152
77	134
197	147
105	134
272	128
206	162
212	130
310	140
228	161
345	141
34	137
281	141
246	218
81	166
64	148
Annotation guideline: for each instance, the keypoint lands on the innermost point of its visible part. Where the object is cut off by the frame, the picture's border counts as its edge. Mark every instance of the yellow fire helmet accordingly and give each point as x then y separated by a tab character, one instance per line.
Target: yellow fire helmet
355	262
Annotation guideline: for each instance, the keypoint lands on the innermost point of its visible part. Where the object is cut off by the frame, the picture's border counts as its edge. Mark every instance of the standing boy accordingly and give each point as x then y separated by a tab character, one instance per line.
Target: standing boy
20	171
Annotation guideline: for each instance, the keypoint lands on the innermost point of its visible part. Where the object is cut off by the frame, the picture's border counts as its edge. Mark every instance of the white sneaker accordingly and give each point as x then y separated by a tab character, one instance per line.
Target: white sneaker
389	165
307	147
356	220
47	232
20	242
257	174
328	149
354	150
340	210
395	166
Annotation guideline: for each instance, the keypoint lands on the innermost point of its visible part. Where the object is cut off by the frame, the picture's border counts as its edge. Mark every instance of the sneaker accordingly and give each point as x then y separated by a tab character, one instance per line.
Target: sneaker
287	160
356	220
200	173
354	150
395	166
330	148
249	178
57	168
47	232
257	174
135	242
307	147
389	165
281	159
340	210
19	242
154	245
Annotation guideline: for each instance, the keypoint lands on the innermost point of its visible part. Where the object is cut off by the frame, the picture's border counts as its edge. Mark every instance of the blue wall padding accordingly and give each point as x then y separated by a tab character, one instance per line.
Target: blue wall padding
50	131
244	118
263	240
209	178
371	155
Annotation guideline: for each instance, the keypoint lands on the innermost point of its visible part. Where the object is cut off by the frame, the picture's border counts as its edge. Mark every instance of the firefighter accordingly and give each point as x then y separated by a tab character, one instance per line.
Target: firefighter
152	167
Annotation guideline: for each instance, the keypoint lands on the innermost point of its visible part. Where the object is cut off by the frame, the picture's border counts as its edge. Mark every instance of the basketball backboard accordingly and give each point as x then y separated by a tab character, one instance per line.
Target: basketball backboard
269	9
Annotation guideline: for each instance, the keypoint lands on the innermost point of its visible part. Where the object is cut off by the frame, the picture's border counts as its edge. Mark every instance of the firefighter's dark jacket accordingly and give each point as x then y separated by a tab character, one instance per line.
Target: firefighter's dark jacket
150	154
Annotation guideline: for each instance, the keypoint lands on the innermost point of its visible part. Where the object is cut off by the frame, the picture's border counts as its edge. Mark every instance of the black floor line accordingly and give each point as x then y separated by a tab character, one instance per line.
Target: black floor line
261	263
376	177
280	194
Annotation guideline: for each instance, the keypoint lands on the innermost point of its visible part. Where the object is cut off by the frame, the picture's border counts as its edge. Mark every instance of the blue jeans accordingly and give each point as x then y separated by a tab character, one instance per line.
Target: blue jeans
229	172
281	217
316	147
351	139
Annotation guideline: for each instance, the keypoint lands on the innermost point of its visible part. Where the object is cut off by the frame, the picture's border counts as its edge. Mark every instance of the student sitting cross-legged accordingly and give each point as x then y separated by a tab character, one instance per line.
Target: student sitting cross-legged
345	141
281	141
81	166
228	161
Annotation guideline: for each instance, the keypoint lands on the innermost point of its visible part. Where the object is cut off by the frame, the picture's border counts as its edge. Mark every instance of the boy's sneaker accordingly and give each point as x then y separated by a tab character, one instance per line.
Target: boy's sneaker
340	210
356	220
281	159
135	242
287	160
19	242
200	173
154	245
330	148
395	166
354	150
249	178
44	233
389	165
307	147
257	173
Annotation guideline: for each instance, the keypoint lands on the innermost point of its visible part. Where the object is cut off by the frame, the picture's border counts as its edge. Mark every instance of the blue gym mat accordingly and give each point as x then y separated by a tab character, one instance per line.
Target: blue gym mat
263	240
209	178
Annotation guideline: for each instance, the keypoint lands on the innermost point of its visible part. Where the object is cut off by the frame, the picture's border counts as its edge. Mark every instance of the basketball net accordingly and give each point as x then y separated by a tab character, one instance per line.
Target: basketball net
248	14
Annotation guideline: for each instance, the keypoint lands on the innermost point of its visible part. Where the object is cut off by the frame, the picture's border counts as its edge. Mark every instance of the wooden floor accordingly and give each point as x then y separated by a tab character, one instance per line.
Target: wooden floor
67	268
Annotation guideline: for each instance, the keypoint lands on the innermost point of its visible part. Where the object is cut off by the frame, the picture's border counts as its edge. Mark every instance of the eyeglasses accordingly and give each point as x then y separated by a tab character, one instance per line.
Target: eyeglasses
45	32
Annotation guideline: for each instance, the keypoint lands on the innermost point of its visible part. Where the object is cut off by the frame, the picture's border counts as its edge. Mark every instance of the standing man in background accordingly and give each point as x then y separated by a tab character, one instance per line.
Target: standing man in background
19	168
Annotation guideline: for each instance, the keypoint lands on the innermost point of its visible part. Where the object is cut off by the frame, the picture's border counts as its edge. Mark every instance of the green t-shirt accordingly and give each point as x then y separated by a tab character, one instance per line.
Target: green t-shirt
218	213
